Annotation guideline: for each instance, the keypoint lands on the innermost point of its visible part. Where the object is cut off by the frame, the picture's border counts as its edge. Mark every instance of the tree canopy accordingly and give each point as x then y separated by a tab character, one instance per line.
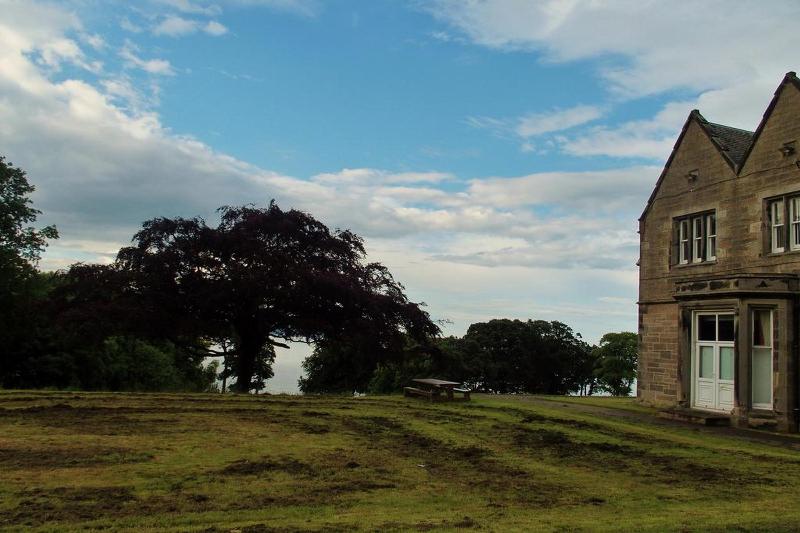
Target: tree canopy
265	276
21	288
19	242
617	360
501	355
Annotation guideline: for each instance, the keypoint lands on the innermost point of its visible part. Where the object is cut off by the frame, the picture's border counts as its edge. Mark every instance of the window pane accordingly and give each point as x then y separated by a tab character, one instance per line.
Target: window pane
795	235
762	328
683	238
777	236
725	328
706	362
762	376
711	236
777	212
707	328
794	207
726	362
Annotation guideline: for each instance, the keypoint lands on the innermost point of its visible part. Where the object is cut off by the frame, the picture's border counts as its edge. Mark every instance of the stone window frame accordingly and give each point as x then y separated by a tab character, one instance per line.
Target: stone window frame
704	217
790	213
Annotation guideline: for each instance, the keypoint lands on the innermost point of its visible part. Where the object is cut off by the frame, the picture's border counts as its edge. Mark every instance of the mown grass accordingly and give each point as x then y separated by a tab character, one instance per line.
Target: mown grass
84	461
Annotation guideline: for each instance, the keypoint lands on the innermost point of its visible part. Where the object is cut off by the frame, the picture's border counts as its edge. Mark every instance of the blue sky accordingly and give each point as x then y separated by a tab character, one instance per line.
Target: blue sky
495	154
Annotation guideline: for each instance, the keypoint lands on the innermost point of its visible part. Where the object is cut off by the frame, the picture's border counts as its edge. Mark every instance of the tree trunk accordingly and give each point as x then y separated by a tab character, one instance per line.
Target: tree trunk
250	345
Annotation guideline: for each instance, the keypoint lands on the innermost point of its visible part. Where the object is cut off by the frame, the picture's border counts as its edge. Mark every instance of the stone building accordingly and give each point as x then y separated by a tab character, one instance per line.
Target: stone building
719	276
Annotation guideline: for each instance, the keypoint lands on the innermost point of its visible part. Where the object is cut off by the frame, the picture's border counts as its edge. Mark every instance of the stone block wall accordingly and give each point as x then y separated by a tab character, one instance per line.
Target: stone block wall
659	326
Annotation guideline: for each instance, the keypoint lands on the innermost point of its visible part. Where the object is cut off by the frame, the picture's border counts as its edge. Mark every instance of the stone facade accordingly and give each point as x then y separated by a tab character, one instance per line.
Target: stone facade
733	176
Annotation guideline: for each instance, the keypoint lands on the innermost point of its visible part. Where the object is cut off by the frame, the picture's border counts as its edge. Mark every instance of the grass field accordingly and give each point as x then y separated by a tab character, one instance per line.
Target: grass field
83	461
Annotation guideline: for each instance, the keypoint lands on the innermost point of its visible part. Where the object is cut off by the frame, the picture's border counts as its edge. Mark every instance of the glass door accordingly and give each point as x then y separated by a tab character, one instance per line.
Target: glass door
714	361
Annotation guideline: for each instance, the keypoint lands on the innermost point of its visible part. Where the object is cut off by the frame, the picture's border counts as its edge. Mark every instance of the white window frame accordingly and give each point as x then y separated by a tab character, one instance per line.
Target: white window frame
683	241
711	238
697	239
794	223
776	208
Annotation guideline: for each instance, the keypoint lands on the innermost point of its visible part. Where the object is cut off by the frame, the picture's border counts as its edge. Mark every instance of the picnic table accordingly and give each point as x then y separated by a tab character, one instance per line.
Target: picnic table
432	389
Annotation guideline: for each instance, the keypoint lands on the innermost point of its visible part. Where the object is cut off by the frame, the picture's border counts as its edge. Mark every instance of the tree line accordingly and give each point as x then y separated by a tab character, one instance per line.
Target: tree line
499	356
184	291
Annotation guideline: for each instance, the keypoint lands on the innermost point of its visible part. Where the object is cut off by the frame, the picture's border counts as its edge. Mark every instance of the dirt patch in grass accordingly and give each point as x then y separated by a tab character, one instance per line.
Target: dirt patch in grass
667	469
430	525
68	504
474	466
69	457
264	528
247	467
95	421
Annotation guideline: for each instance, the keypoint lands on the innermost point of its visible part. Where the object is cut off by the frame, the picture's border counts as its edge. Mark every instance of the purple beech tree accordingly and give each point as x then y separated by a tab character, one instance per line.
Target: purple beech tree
266	276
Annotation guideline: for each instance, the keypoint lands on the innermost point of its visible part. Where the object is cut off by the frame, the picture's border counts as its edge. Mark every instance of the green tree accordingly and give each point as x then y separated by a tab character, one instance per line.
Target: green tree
617	357
534	356
20	244
23	290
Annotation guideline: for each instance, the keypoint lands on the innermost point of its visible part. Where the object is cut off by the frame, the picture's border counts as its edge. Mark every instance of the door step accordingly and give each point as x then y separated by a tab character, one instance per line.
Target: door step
695	416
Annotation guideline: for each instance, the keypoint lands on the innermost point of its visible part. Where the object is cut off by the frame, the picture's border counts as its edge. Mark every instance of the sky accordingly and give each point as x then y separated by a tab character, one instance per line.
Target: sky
495	154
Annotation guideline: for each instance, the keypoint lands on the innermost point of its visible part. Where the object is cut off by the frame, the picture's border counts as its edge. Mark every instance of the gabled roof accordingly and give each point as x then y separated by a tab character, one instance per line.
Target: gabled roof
790	77
733	144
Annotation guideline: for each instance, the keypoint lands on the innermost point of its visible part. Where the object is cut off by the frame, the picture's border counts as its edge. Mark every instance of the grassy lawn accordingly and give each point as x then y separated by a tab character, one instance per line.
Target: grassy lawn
71	461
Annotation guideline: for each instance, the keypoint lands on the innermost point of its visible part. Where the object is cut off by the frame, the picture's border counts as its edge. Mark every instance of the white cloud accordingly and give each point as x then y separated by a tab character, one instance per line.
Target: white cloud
126	24
103	162
373	176
94	40
523	128
175	26
592	191
215	28
152	66
739	106
731	55
306	8
647	46
191	7
557	120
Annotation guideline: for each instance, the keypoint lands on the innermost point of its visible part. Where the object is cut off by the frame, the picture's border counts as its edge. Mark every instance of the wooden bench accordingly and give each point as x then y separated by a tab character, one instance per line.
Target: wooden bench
435	390
413	391
465	392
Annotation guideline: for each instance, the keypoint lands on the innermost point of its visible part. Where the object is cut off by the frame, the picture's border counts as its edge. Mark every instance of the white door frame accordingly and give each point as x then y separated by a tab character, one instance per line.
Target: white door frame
711	393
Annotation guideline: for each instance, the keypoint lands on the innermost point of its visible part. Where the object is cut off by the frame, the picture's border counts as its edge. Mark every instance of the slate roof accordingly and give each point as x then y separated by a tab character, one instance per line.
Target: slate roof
733	142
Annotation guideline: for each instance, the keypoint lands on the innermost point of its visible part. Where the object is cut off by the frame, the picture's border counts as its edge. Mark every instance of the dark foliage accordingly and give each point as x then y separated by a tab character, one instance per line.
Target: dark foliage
264	276
22	289
20	244
504	356
510	356
617	358
75	329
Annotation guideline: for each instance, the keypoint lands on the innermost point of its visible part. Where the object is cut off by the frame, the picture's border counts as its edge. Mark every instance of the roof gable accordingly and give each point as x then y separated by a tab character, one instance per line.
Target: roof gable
730	143
789	78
